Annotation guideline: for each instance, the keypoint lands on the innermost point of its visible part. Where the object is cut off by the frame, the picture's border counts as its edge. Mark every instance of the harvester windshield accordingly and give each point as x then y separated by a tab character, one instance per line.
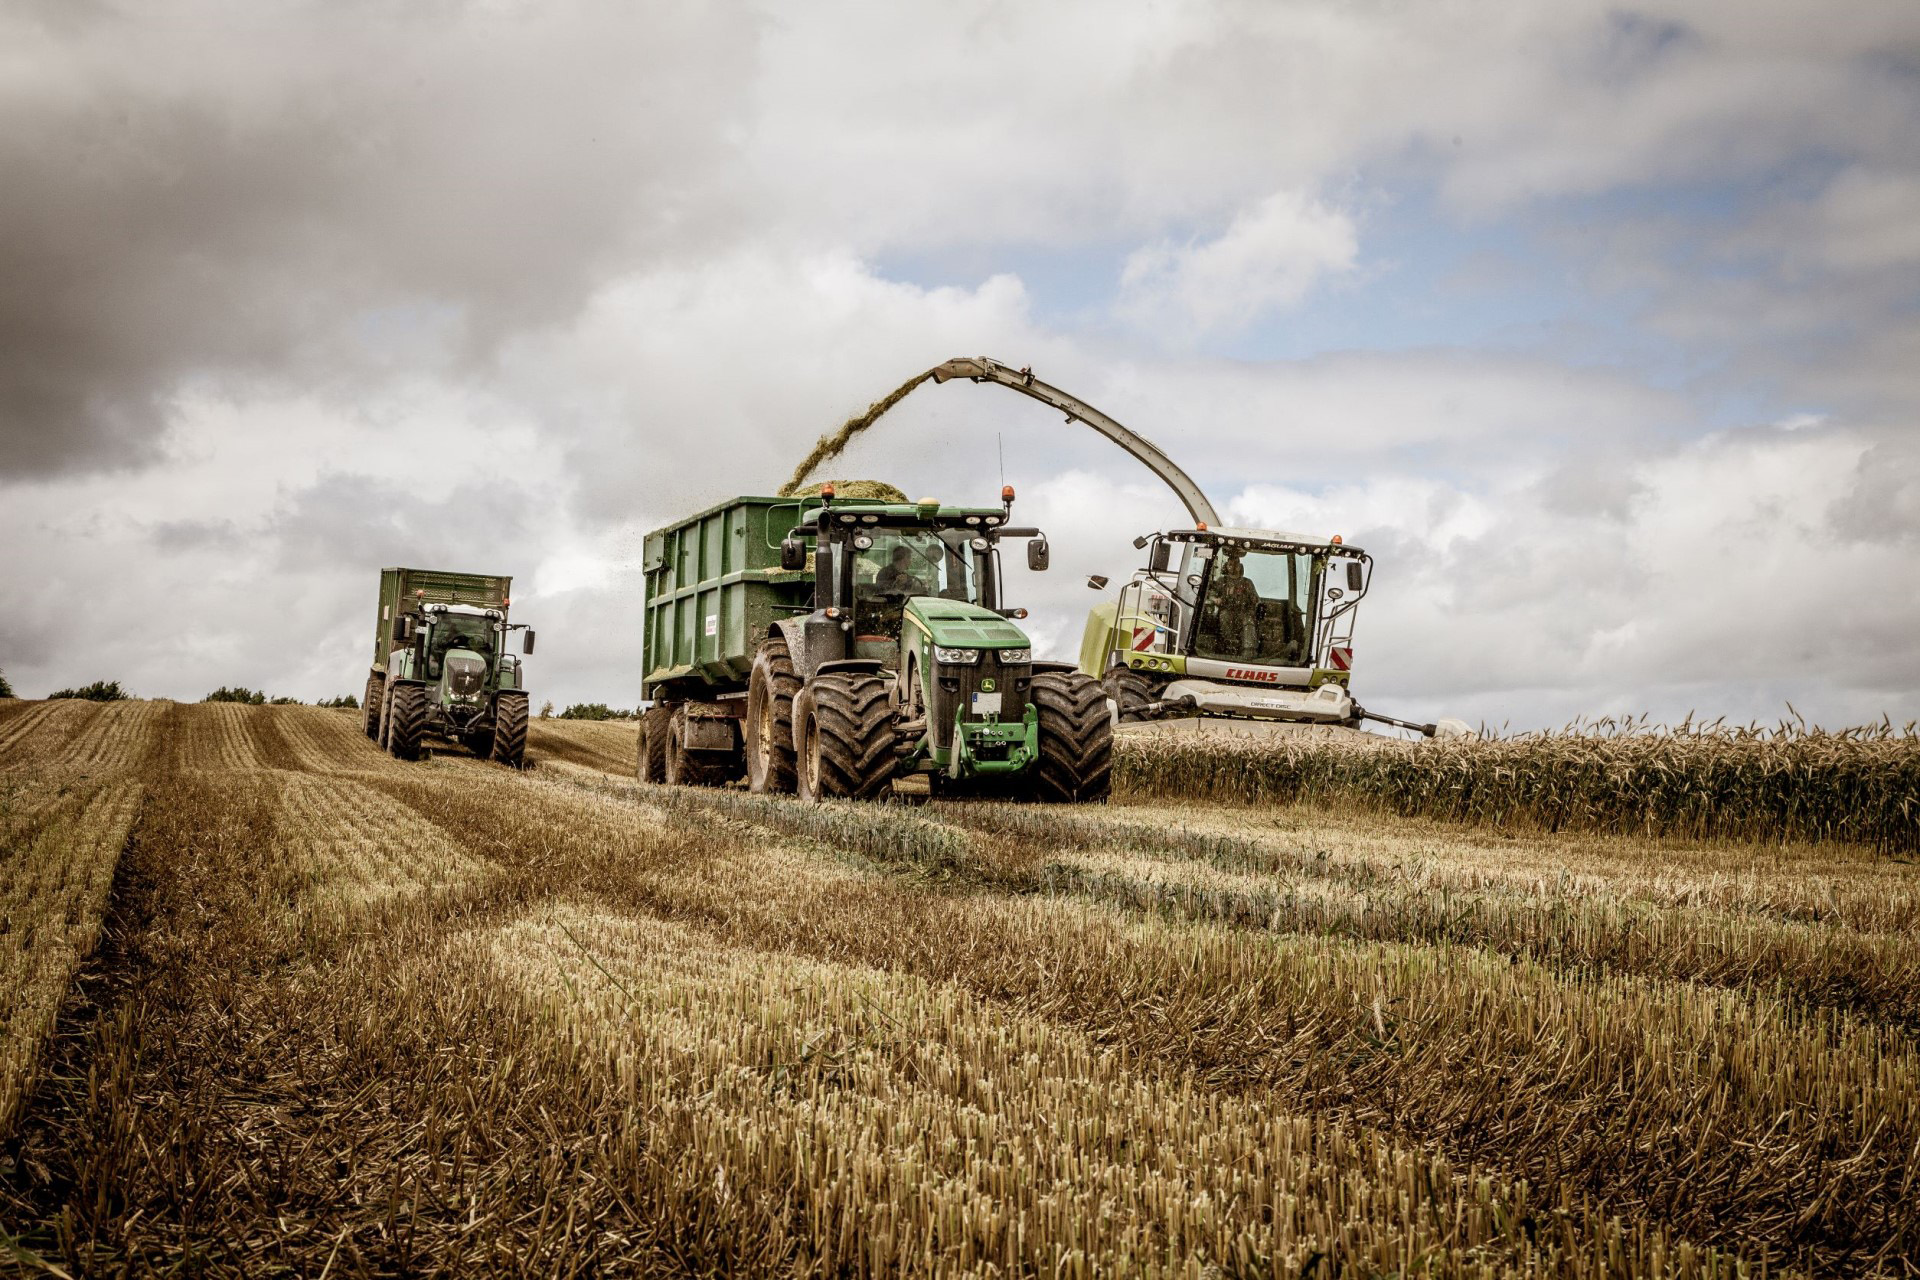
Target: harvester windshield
1258	606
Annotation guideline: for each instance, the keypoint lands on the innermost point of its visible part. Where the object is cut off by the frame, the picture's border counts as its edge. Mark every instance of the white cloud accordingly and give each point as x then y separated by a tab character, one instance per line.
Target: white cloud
1267	258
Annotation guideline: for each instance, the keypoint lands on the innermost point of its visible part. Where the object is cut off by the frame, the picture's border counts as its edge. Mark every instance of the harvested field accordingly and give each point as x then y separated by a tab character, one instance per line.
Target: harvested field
275	1001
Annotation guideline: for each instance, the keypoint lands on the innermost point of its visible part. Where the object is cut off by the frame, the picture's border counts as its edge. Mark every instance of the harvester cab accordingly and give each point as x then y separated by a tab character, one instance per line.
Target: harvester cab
1248	623
442	669
886	652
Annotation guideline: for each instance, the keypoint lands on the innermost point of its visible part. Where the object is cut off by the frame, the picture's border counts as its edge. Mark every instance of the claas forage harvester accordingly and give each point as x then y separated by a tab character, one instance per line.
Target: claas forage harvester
830	647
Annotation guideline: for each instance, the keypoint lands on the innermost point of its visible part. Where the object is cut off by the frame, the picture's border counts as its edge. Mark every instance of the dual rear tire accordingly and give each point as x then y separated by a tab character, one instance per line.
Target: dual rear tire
772	690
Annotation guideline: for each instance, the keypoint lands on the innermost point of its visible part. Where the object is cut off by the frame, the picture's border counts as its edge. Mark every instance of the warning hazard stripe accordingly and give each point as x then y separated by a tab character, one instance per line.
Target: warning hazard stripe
1340	657
1143	638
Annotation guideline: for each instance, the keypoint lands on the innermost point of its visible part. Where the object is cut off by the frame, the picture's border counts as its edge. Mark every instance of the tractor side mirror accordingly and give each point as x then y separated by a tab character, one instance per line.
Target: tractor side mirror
402	627
1140	543
526	641
1162	557
1098	581
1039	555
1355	579
793	554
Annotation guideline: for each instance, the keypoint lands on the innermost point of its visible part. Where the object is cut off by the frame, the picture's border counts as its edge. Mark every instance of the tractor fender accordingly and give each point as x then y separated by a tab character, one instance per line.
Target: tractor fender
1041	666
812	641
852	666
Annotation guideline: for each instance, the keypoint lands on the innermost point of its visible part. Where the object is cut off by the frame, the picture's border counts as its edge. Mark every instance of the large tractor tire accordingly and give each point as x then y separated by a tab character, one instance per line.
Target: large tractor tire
371	705
406	721
510	728
650	763
1130	690
769	727
686	768
843	737
1076	738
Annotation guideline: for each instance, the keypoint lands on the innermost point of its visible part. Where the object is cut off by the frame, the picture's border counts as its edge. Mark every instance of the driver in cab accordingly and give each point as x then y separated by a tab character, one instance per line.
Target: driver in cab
896	577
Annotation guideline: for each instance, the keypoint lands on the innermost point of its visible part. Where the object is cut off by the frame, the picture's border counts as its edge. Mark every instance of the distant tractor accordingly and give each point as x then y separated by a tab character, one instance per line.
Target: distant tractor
831	647
441	666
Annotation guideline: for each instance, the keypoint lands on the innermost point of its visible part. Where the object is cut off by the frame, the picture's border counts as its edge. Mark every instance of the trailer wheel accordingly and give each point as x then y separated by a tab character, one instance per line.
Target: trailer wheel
407	721
1076	738
843	737
650	764
769	727
510	728
1130	691
683	767
371	704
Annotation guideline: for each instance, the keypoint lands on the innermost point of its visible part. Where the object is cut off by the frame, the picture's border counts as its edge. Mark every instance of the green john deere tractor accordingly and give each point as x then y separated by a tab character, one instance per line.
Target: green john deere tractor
441	666
829	647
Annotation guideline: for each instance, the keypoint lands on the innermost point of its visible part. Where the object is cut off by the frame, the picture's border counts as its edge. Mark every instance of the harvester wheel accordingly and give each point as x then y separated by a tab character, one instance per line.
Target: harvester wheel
650	764
371	704
769	727
843	735
407	721
1130	691
510	728
1076	738
683	767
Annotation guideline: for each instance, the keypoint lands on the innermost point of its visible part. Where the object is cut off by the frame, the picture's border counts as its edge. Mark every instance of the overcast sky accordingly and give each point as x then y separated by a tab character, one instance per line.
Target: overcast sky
1599	326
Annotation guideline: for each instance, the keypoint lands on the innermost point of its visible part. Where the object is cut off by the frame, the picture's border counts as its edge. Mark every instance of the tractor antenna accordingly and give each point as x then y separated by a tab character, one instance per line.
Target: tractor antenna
1000	445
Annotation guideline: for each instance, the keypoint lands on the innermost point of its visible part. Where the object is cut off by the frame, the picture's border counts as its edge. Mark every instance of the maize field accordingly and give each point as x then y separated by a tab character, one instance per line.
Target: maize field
275	1002
1786	783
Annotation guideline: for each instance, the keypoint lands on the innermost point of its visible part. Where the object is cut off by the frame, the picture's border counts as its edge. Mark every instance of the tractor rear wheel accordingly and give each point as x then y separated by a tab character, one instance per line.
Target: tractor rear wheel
1130	691
510	728
407	721
650	764
686	768
843	737
370	705
769	727
1076	738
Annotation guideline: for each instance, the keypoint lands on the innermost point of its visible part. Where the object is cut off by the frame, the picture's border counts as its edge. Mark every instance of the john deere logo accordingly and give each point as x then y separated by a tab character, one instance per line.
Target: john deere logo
986	686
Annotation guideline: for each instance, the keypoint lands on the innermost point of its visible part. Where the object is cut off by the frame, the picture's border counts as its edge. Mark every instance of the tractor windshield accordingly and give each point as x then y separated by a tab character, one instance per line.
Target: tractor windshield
1258	606
459	631
899	564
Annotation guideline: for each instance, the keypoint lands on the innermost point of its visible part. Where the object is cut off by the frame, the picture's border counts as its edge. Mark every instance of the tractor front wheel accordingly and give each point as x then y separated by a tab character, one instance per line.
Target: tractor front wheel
1076	738
656	727
371	704
843	737
406	721
769	727
510	729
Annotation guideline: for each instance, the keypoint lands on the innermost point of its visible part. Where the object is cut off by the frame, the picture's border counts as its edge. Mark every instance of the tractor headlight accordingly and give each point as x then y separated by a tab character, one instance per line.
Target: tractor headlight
958	657
1016	655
